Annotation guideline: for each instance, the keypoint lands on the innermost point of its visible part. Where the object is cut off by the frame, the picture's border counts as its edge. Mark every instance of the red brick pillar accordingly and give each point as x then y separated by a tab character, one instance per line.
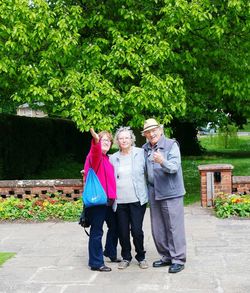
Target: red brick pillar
215	178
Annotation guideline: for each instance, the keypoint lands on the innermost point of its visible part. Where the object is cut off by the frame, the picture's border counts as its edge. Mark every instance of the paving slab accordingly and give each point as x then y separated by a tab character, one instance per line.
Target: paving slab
52	257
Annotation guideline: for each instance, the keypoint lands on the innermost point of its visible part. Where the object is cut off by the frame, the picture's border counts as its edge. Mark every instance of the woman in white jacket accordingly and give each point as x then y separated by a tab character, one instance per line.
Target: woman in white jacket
132	196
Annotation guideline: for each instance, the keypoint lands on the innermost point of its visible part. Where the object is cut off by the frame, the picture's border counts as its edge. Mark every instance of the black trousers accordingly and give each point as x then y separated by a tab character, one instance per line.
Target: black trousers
110	249
130	217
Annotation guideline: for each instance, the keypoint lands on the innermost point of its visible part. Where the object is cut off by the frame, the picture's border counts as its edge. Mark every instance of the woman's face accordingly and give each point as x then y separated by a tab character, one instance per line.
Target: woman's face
105	144
124	140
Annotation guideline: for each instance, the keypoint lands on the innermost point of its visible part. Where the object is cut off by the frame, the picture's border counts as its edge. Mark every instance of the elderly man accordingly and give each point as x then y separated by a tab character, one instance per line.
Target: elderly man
166	191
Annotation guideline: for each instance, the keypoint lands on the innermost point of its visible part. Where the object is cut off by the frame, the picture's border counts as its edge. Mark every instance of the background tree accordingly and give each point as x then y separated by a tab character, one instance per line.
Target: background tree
104	63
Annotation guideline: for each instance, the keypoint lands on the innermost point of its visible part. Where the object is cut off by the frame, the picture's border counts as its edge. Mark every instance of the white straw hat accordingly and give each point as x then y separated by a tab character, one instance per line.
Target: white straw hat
149	124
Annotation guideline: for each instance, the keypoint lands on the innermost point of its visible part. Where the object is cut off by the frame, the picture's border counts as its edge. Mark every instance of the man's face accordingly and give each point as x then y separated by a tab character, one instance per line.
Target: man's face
153	135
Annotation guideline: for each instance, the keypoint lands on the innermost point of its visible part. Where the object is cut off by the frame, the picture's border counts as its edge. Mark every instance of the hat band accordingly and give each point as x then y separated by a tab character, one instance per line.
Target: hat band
150	126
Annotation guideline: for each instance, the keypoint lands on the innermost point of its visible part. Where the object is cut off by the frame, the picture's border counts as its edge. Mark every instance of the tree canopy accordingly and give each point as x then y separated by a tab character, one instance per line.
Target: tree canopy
105	63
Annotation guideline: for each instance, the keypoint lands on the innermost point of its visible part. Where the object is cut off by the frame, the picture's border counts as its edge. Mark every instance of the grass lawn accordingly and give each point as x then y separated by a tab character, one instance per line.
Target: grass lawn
4	256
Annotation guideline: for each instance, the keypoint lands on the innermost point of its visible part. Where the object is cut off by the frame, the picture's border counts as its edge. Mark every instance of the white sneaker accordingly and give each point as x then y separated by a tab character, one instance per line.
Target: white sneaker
123	264
143	264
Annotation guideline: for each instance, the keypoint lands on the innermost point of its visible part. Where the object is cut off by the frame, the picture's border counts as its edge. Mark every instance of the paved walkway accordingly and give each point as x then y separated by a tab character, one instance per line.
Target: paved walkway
52	258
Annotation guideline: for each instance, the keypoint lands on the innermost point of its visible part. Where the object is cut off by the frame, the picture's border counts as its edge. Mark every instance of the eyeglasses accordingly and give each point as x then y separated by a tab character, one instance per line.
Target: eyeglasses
105	140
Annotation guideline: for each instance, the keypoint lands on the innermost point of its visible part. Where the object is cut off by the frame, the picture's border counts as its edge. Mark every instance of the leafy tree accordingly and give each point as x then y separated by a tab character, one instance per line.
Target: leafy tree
104	63
214	58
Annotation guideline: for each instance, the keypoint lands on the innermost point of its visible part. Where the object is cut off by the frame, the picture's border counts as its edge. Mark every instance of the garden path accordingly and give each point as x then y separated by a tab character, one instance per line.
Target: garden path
52	257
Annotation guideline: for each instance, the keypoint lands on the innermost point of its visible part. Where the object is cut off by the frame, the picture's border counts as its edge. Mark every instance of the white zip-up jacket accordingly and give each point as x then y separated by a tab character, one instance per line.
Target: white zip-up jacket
138	173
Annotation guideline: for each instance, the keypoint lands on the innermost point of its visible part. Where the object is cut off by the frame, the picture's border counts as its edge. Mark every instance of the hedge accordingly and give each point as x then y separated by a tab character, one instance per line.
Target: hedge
30	145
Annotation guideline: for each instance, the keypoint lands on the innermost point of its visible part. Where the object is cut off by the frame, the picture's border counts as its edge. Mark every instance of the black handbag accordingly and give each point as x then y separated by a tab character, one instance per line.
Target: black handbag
84	221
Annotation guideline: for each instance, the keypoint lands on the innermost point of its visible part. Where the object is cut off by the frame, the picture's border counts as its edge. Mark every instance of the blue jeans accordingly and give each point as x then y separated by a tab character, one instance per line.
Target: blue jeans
97	215
130	217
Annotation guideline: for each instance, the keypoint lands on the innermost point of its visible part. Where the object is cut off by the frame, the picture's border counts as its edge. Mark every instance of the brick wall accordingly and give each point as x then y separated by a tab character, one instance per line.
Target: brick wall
70	188
241	184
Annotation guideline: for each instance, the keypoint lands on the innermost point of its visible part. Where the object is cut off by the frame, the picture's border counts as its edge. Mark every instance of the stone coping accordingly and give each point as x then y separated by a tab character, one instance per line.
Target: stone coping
40	183
241	179
215	167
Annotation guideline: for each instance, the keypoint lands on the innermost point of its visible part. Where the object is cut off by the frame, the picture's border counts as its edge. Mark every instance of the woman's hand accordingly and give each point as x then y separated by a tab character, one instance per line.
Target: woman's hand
94	135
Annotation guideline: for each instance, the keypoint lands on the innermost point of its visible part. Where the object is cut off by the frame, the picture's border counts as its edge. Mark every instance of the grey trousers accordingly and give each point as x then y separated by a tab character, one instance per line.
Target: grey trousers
167	224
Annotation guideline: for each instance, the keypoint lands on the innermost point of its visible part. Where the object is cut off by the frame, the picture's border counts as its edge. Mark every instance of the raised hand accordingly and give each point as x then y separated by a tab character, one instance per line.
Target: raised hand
94	135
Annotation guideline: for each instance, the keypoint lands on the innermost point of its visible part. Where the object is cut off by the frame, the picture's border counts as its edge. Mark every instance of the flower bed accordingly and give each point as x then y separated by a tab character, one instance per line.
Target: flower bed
40	209
228	205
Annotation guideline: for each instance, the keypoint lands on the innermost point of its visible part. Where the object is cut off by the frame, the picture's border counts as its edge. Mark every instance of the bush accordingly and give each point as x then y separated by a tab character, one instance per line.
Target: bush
40	209
232	205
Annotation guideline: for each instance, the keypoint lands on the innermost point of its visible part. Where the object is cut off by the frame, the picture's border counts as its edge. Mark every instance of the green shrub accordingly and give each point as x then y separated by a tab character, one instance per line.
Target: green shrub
232	205
40	209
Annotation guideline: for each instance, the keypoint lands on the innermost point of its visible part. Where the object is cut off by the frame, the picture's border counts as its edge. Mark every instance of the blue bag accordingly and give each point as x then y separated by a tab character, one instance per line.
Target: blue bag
93	194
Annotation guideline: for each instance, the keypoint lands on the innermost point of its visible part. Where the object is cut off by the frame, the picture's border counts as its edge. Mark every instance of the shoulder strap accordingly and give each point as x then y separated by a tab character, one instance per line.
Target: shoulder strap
106	181
97	167
86	231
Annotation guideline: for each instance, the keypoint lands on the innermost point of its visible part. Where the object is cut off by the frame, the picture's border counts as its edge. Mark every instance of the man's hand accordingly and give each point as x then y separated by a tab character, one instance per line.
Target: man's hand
94	135
158	157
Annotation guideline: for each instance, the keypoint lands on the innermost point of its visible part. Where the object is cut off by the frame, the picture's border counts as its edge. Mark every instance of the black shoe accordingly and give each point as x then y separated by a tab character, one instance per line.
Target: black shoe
115	259
161	263
175	268
102	269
